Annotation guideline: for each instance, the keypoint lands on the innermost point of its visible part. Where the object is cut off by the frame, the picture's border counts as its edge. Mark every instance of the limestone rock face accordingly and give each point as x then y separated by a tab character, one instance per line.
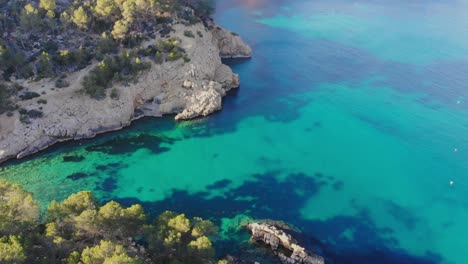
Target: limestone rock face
186	89
203	103
277	238
224	76
229	43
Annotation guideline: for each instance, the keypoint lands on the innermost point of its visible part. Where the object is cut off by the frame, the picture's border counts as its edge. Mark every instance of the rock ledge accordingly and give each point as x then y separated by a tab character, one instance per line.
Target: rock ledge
187	90
279	239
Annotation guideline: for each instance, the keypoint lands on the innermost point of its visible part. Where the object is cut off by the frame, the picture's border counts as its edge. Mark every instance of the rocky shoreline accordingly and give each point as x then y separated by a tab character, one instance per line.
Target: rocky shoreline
282	244
188	90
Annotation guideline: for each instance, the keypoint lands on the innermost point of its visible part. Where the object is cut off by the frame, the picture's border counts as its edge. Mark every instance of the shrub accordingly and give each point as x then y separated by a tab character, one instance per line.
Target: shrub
168	49
26	115
29	95
114	94
10	59
124	67
16	87
189	34
91	89
167	45
35	114
23	111
26	71
106	44
44	66
81	57
200	34
166	30
63	57
61	83
186	58
30	19
42	101
50	47
158	57
24	119
174	56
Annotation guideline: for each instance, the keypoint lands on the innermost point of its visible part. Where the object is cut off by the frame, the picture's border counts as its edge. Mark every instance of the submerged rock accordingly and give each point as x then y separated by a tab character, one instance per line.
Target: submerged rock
281	242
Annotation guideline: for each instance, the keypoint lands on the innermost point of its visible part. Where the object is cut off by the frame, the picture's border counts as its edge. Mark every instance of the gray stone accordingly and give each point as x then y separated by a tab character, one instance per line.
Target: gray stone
276	238
230	45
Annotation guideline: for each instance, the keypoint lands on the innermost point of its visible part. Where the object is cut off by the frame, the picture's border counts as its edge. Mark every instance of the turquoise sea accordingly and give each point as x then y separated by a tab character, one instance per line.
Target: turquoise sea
350	124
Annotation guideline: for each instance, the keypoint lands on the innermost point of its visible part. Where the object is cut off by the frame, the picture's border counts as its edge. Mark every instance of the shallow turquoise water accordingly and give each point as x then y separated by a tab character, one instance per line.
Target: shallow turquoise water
350	123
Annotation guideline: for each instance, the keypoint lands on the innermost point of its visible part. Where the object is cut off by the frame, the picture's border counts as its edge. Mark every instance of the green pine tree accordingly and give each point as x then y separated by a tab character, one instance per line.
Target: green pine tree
80	18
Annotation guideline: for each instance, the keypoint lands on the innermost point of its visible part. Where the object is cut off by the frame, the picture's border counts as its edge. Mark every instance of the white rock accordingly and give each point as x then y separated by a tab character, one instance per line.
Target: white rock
187	84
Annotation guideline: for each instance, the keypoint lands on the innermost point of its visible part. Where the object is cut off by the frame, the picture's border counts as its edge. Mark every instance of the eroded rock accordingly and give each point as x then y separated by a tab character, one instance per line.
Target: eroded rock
203	103
277	238
229	43
188	90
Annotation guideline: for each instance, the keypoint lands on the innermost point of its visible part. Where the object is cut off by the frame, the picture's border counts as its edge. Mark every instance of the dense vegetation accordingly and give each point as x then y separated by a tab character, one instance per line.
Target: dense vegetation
49	38
79	230
6	91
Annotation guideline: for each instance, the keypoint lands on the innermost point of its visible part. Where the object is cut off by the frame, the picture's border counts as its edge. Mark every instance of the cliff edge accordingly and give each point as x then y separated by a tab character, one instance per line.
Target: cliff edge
187	89
283	245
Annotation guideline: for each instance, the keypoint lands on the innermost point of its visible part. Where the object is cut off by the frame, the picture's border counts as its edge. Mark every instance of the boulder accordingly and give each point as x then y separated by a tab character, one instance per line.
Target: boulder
277	238
230	44
187	84
202	103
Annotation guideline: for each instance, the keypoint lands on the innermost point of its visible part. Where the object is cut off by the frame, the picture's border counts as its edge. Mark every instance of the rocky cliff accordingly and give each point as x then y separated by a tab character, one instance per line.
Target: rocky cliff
186	89
283	245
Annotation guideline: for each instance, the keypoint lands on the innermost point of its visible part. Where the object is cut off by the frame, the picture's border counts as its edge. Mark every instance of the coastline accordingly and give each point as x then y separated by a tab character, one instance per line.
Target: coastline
188	90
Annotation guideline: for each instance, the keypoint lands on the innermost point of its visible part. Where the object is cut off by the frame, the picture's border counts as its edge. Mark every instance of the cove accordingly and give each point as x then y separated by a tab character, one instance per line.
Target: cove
345	126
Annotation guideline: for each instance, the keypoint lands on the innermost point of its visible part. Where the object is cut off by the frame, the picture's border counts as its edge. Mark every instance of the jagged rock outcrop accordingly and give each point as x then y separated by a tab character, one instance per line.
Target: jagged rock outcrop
277	239
229	43
185	89
204	102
